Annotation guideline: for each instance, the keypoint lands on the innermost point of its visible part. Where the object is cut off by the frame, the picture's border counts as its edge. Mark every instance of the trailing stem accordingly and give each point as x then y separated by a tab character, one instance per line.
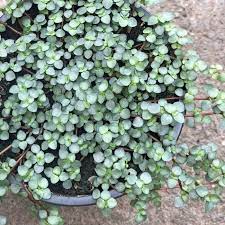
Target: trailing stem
202	114
31	198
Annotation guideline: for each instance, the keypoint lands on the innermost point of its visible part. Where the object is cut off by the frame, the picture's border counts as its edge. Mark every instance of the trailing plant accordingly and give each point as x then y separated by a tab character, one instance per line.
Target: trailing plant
103	79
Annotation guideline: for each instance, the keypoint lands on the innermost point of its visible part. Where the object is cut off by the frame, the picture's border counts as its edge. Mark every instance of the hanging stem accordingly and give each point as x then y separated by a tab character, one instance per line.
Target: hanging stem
202	114
166	189
31	198
202	99
5	150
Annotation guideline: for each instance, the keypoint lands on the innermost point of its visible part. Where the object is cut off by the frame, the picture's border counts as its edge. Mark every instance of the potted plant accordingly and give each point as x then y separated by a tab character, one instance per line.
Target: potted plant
93	98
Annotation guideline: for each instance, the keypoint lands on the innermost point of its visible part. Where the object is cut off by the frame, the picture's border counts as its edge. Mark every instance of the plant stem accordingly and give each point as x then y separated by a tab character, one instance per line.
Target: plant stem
20	158
5	150
11	28
25	128
181	186
28	16
82	158
23	155
142	46
31	198
138	45
28	71
202	99
202	114
8	117
182	98
127	149
154	138
166	189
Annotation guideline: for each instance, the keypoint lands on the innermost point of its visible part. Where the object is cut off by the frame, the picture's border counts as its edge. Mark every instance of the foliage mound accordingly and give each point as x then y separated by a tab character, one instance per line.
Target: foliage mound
105	79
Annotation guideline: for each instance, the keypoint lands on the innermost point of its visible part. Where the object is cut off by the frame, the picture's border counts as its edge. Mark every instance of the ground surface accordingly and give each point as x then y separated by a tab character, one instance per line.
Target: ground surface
205	19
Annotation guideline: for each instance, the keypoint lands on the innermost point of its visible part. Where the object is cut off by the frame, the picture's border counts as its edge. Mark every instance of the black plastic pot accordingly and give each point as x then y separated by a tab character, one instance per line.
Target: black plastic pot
64	200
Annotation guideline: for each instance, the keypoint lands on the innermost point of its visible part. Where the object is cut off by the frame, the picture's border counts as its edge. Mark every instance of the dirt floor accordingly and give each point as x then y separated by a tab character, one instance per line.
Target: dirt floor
205	19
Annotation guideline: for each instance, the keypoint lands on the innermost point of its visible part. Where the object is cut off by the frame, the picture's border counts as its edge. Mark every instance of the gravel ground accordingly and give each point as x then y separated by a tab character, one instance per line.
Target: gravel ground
205	21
